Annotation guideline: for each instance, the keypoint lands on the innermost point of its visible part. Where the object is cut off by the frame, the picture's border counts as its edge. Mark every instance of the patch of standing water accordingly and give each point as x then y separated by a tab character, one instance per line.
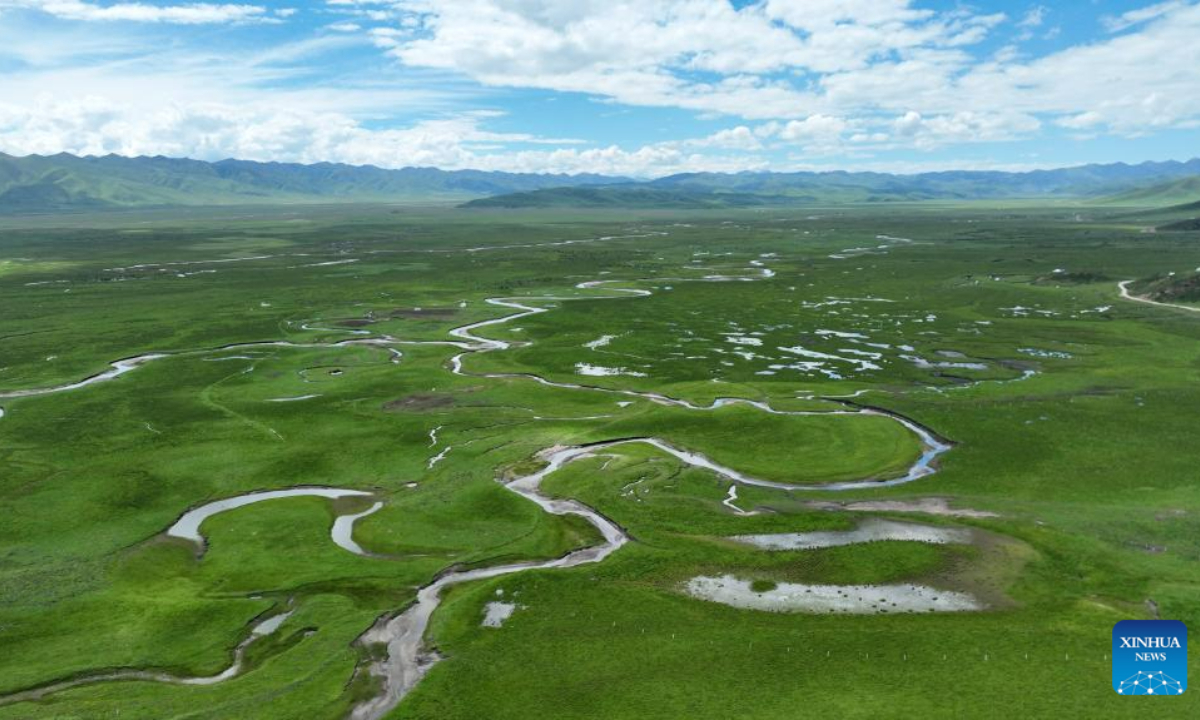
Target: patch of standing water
601	371
599	342
805	352
871	530
495	613
840	334
744	340
1037	352
929	506
850	599
270	625
926	365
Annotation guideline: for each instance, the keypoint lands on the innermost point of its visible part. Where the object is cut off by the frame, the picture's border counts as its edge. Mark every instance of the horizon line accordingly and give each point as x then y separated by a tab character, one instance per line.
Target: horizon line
602	175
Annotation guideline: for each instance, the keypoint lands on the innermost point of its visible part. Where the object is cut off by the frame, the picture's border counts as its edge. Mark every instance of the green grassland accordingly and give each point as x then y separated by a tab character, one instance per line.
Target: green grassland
1071	412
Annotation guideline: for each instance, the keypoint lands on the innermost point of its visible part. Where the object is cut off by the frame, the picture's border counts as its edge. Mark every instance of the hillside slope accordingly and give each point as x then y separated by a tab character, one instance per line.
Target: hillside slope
1081	181
66	182
1181	194
45	183
625	196
1169	288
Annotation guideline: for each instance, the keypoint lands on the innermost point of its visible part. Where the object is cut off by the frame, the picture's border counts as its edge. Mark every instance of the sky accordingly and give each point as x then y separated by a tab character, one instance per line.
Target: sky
639	88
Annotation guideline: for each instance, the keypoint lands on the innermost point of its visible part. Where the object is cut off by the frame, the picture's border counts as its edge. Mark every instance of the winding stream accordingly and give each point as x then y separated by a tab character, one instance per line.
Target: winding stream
932	445
187	527
259	630
120	367
402	633
342	532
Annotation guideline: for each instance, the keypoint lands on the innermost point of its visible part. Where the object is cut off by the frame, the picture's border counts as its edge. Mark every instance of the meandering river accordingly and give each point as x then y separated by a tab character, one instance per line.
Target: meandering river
406	660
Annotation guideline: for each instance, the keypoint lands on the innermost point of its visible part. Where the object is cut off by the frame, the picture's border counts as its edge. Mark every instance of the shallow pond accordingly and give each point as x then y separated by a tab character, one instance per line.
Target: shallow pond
850	599
870	530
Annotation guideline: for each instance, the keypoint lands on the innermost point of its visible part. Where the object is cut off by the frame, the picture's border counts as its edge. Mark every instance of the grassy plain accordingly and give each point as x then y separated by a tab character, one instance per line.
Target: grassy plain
1072	412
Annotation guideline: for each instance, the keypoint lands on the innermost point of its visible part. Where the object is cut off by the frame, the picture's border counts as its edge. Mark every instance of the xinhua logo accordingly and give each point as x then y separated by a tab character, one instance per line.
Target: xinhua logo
1149	657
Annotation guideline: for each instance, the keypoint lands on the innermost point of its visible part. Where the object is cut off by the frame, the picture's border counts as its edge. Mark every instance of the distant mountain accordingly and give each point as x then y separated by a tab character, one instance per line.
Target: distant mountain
625	196
830	188
1082	181
46	183
64	182
1182	194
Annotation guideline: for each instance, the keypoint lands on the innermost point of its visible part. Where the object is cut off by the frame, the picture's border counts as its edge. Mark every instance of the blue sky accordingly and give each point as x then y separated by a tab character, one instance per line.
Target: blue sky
643	88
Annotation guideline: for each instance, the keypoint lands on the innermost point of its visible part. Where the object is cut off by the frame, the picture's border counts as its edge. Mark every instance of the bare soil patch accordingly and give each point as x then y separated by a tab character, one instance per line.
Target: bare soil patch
419	401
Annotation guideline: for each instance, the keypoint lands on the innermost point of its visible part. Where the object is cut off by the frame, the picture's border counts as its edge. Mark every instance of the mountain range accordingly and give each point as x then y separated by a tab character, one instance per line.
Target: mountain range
62	182
37	183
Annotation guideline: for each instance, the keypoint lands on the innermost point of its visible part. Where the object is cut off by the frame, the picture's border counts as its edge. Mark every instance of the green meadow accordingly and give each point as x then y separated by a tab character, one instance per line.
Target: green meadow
999	327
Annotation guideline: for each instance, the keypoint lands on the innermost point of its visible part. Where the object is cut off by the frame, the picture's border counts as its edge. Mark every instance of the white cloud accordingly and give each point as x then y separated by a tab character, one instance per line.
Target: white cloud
966	126
1034	17
813	128
811	78
1135	81
186	14
912	167
812	15
366	9
650	53
794	59
1082	121
94	126
1128	19
735	138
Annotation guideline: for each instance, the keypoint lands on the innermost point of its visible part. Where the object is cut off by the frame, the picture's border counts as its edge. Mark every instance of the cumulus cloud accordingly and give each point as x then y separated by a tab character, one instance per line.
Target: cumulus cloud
1132	82
1082	121
735	138
186	14
657	53
930	132
813	127
211	131
785	79
793	59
